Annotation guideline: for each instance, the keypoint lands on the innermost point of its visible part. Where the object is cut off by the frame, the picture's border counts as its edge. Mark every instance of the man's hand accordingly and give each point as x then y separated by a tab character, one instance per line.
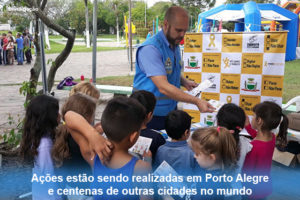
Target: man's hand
98	127
188	84
204	106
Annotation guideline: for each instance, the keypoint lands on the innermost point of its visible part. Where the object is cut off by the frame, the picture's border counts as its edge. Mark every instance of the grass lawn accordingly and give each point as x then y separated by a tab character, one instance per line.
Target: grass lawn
57	48
291	83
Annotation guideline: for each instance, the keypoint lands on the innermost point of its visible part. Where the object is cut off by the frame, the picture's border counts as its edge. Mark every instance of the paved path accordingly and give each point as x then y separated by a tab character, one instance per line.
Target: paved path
110	63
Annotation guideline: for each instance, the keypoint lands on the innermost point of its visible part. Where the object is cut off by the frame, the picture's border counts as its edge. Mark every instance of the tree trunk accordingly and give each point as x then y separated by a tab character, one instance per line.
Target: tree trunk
87	31
36	69
118	37
60	59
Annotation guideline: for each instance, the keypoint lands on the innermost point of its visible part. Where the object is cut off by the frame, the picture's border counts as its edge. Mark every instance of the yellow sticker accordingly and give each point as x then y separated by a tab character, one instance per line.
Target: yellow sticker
275	42
232	42
211	62
247	102
230	83
193	76
252	63
195	114
193	43
272	86
208	96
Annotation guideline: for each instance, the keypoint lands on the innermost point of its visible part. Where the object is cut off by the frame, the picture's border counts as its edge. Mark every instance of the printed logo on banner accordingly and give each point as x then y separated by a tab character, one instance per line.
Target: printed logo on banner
275	42
252	63
211	62
231	63
215	79
232	42
212	42
230	83
208	96
272	86
208	119
196	77
250	84
273	64
253	43
193	43
192	62
195	114
230	98
247	102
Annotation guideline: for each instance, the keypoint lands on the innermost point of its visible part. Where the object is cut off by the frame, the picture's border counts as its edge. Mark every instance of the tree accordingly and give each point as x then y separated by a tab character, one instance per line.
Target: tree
87	28
196	6
245	1
38	9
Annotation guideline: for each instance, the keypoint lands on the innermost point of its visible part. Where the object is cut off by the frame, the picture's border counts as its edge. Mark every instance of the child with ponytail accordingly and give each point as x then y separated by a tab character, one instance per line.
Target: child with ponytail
267	117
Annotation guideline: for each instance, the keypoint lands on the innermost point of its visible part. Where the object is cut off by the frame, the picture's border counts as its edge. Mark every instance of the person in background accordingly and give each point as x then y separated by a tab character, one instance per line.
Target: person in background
19	42
10	50
1	48
4	42
27	48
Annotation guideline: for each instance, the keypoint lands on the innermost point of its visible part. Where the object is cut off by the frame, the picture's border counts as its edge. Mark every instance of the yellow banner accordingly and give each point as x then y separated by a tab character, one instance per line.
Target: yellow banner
194	114
211	62
252	63
247	102
193	43
275	42
208	96
232	42
272	86
230	83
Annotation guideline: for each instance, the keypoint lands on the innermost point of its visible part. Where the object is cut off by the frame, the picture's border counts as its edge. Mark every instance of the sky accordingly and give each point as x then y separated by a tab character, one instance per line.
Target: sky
152	2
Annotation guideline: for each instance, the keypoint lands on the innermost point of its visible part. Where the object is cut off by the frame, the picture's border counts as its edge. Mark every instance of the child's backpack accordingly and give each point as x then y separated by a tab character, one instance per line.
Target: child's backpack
68	81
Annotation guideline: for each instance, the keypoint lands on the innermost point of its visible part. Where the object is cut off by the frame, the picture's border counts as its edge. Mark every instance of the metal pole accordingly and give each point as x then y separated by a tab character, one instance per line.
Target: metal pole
95	8
43	62
130	37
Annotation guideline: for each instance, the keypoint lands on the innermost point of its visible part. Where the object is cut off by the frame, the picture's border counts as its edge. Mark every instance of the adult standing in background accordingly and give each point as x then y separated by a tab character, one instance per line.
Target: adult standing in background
158	68
1	43
19	42
27	47
4	42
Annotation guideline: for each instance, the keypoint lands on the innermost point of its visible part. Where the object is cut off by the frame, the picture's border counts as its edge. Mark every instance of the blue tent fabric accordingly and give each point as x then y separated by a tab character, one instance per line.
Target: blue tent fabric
252	21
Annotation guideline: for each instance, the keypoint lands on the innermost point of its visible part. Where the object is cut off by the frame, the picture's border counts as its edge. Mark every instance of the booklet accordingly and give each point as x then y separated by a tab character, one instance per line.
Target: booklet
201	87
216	104
141	145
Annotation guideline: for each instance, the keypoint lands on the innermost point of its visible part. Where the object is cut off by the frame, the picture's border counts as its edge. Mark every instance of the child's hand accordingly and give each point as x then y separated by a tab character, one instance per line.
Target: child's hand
247	122
147	156
98	127
100	146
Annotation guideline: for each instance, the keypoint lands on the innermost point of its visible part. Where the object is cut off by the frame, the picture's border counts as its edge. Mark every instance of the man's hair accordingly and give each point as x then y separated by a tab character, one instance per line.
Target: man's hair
147	99
121	117
172	11
177	122
9	32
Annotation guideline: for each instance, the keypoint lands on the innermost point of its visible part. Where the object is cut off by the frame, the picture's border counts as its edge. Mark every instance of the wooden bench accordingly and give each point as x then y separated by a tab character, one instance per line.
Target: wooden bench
114	89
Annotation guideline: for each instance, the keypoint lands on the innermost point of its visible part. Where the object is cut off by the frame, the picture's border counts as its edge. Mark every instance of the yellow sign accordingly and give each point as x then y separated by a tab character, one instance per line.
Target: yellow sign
232	42
212	38
193	76
193	43
275	42
211	62
247	102
230	83
252	63
272	86
195	114
208	96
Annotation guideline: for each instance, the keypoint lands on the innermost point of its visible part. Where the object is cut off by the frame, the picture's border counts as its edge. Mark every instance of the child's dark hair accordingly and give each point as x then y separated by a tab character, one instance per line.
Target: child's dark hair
218	141
81	104
233	118
121	117
177	122
147	99
41	119
271	115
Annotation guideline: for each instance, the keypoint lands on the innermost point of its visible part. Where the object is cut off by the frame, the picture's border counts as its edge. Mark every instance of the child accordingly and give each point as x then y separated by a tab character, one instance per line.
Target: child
41	119
121	121
177	152
233	118
267	116
147	99
86	88
66	153
19	42
10	50
215	152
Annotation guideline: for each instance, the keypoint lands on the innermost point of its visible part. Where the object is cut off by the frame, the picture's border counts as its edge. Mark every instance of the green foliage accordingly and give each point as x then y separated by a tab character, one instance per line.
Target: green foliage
27	88
244	1
14	135
196	6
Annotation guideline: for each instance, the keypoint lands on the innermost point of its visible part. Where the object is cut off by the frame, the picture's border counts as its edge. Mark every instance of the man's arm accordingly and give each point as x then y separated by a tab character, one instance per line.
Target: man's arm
175	93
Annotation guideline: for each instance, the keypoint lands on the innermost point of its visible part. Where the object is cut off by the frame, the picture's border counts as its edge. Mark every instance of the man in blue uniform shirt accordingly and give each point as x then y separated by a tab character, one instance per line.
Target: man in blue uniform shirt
158	68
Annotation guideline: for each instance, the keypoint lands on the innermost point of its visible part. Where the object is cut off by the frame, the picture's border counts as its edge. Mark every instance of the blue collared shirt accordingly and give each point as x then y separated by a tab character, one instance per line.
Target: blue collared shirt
150	59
